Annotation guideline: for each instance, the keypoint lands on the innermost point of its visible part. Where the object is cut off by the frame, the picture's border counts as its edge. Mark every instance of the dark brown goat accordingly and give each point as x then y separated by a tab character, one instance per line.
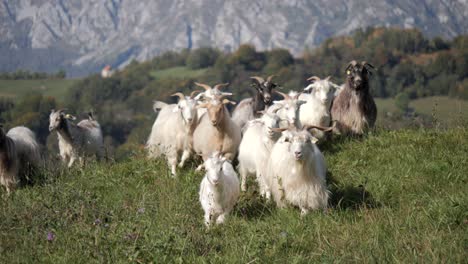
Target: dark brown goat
249	108
354	109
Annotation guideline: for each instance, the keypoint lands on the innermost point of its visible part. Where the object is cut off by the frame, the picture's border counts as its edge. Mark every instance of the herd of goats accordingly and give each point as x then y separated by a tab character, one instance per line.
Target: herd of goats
275	141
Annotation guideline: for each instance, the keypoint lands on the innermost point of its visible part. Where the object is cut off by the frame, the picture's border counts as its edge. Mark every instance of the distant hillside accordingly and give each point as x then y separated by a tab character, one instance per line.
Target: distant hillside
82	36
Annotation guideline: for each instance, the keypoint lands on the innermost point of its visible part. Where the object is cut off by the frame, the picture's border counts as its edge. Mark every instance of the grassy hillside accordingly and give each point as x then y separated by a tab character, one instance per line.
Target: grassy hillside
180	72
50	87
397	197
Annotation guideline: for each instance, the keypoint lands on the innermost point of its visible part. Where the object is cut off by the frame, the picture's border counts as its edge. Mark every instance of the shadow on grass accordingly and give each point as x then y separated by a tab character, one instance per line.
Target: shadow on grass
350	197
251	205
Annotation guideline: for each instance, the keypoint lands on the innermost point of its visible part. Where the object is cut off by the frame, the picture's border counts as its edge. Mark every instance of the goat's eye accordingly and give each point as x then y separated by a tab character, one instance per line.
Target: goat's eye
286	139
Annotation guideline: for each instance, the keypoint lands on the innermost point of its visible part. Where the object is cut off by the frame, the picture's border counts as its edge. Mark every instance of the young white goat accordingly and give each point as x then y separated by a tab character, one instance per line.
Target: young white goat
172	130
254	150
296	171
76	141
19	156
316	110
219	189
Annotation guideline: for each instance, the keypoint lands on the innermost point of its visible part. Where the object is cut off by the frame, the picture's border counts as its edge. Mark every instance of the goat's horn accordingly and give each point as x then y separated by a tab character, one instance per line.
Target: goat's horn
259	79
181	95
351	63
326	129
192	94
62	110
205	86
270	78
314	78
365	63
286	97
221	85
279	129
328	78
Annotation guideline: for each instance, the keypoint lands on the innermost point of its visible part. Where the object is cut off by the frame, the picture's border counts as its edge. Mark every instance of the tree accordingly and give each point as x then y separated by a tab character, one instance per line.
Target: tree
402	101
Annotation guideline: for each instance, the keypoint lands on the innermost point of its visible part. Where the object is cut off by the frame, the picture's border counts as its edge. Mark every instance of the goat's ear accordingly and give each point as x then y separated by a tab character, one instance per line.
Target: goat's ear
313	139
301	102
226	101
204	105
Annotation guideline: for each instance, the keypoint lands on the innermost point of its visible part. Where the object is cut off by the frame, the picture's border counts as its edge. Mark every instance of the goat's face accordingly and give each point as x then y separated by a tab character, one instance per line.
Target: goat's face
300	143
264	90
289	107
357	74
322	91
270	121
216	112
188	110
55	119
214	168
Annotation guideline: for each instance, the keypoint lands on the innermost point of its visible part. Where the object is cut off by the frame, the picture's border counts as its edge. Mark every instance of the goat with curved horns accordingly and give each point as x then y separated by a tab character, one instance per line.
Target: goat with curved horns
250	108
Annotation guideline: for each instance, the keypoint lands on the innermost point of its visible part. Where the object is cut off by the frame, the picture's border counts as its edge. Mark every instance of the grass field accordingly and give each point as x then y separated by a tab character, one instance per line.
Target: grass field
396	197
178	73
53	87
448	111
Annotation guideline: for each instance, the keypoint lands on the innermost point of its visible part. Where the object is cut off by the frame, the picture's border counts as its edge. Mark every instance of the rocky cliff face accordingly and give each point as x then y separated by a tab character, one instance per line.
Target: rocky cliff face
83	35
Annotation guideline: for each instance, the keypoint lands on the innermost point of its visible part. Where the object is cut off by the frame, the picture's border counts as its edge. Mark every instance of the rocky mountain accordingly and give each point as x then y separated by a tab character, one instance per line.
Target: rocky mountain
81	36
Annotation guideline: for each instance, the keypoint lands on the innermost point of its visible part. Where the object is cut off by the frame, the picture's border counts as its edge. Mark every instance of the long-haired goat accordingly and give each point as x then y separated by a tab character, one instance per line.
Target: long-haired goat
219	189
354	108
76	141
250	108
172	130
255	147
316	110
216	131
296	171
19	156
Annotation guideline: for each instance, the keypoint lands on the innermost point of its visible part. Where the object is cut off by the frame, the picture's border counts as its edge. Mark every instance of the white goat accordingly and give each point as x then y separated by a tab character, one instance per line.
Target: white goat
19	156
76	141
287	109
219	189
172	130
254	150
316	110
296	171
216	131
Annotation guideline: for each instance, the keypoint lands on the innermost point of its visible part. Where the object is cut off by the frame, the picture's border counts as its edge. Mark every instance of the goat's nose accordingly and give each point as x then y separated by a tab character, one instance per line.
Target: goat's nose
189	119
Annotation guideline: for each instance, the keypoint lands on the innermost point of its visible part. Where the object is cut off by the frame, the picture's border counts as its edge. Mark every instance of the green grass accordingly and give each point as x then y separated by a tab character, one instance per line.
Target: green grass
53	87
448	111
397	197
178	73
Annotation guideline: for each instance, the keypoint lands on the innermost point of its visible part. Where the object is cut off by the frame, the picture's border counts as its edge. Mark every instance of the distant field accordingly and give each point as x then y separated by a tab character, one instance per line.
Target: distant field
178	73
446	110
56	88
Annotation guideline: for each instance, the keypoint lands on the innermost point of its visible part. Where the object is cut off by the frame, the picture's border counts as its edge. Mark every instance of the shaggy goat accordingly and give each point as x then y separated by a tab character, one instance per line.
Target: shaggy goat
76	141
19	156
172	130
255	149
316	110
296	171
250	108
354	108
219	189
216	131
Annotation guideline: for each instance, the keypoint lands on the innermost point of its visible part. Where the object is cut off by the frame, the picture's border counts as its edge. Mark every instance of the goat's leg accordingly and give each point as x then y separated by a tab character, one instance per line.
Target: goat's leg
208	219
71	161
243	173
172	162
221	218
185	156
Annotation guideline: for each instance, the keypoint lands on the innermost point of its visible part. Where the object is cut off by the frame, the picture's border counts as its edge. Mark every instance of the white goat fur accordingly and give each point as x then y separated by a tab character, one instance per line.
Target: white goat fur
219	189
316	110
76	141
20	154
297	180
172	131
255	148
287	109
